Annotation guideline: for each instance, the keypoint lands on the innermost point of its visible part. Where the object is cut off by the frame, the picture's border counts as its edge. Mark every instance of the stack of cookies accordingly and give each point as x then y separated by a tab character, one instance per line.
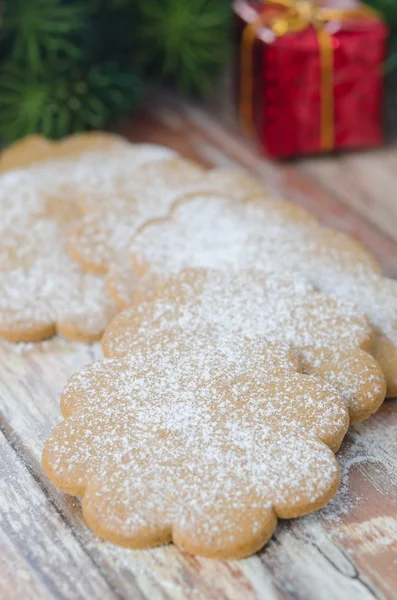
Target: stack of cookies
241	338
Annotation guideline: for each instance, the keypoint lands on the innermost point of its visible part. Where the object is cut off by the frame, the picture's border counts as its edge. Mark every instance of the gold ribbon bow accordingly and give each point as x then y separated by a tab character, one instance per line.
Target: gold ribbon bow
295	16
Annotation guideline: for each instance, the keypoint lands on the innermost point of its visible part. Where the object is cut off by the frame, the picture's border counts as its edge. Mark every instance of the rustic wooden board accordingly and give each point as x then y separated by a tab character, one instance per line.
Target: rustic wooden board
346	551
373	196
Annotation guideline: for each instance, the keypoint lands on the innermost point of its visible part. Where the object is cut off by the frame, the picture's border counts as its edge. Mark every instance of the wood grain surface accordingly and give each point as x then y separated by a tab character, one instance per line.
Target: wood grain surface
346	551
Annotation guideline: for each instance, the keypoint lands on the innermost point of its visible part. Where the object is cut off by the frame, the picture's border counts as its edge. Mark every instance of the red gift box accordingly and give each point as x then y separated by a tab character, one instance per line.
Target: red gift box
308	86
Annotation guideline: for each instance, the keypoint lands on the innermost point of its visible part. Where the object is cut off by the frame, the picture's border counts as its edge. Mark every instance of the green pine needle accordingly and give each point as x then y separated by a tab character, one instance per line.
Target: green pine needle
69	65
42	28
185	41
60	104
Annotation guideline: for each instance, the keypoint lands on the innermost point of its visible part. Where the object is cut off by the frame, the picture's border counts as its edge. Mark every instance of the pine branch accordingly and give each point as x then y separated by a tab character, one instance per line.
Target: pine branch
185	42
63	101
37	29
70	65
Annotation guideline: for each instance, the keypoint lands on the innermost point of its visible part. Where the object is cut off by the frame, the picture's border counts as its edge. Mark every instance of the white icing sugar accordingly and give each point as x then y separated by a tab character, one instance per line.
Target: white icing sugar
257	233
375	295
96	170
213	232
104	235
207	230
206	437
115	215
325	332
41	285
261	304
162	181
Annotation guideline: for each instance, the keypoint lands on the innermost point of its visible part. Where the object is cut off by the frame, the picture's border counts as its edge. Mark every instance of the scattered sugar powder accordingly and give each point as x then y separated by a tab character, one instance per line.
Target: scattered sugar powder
373	442
104	235
205	437
326	333
261	232
353	453
273	235
40	283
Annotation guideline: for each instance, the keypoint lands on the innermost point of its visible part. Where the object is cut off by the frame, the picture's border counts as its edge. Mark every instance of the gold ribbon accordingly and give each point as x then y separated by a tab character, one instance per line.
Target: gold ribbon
295	16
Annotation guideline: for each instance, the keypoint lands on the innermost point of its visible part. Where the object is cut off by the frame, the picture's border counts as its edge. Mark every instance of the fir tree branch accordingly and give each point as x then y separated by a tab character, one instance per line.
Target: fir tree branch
63	101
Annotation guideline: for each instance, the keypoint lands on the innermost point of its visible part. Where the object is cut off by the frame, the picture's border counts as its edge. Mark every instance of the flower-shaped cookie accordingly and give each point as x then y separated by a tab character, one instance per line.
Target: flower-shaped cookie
331	338
102	238
114	216
202	441
221	234
268	234
43	290
207	230
377	297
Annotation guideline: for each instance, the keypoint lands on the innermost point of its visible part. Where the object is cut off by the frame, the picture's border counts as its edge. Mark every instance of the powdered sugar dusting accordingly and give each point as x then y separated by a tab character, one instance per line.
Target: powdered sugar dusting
326	333
261	232
191	435
105	234
42	286
212	232
115	215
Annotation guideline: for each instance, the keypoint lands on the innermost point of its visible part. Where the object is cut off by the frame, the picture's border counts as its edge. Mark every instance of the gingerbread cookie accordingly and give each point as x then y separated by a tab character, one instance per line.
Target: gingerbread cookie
102	238
331	338
239	185
198	440
96	172
23	153
377	297
123	286
112	219
43	290
210	231
340	266
179	178
79	143
222	233
259	232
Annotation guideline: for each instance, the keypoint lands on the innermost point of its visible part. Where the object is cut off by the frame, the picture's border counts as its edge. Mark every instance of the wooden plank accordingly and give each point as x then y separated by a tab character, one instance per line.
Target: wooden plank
18	580
345	551
32	380
47	560
369	535
365	181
